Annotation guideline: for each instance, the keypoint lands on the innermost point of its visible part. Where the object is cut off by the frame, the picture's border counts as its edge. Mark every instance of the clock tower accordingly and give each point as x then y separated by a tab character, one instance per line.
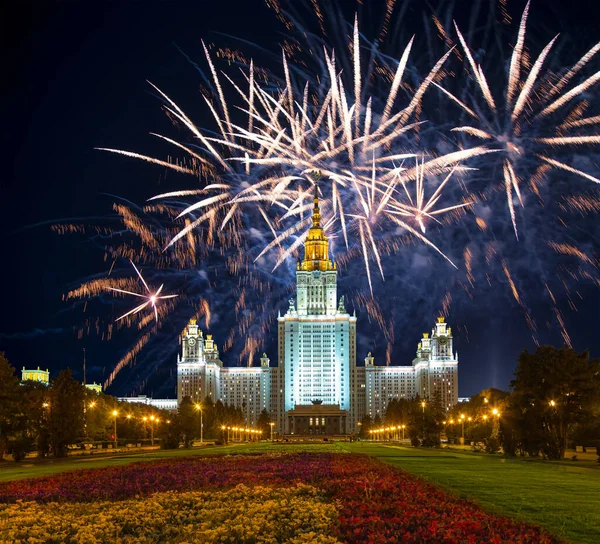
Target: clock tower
198	365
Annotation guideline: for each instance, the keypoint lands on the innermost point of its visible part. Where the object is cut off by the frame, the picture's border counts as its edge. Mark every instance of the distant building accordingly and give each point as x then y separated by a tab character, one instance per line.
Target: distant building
161	404
42	376
94	387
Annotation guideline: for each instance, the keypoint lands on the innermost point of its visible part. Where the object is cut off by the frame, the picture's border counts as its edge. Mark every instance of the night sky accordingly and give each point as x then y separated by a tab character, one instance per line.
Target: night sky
76	72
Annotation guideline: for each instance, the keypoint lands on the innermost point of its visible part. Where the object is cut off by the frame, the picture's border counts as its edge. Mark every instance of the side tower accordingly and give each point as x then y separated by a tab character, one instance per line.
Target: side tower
436	365
317	337
198	366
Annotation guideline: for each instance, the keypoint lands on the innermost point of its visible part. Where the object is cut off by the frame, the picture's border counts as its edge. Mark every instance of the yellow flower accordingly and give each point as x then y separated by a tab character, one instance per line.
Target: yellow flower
298	514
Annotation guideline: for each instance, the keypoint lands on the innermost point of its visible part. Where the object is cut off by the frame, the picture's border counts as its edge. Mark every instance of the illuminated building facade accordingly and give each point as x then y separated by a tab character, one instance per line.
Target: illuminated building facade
96	387
434	372
42	376
316	386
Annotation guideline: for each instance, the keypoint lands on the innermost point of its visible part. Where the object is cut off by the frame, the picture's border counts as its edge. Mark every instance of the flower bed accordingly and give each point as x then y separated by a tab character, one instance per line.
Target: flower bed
373	501
243	514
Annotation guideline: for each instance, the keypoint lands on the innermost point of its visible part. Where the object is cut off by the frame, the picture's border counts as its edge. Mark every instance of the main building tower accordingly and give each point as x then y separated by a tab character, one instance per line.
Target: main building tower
317	343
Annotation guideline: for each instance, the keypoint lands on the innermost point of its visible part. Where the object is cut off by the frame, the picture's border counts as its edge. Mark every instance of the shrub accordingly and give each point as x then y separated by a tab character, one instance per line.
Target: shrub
492	445
20	448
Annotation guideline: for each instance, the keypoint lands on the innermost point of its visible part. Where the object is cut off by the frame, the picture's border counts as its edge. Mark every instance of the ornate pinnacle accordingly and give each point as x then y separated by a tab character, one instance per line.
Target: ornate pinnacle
316	211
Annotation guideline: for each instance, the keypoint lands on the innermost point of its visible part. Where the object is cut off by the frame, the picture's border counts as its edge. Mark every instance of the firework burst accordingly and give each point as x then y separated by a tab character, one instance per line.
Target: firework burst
535	115
392	175
152	298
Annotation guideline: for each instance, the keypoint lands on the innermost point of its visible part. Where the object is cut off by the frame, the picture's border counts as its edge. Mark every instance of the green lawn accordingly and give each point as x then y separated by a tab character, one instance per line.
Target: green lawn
563	496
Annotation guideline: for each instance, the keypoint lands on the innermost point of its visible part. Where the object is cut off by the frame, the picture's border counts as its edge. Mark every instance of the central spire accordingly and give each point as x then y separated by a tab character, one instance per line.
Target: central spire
316	212
316	248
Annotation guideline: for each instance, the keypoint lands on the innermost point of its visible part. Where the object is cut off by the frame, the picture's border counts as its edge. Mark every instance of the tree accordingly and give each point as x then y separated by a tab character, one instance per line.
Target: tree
188	420
99	421
480	417
264	419
169	432
34	428
9	402
365	427
209	420
553	391
65	412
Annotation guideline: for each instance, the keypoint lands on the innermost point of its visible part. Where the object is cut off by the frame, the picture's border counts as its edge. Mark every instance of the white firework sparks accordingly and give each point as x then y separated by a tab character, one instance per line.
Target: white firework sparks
152	298
529	102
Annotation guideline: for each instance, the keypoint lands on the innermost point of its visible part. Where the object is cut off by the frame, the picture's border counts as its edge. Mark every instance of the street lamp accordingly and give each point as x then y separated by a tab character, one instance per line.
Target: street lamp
85	416
423	406
152	418
272	424
115	414
199	408
462	421
495	430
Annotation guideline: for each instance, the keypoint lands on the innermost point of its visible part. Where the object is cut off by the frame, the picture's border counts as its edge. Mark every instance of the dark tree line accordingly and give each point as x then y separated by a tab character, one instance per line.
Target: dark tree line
420	420
555	401
32	415
51	419
215	416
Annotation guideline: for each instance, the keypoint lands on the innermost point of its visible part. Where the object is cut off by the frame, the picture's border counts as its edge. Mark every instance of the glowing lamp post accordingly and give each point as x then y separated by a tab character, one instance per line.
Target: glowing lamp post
423	406
152	418
462	421
272	425
496	414
115	414
199	408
